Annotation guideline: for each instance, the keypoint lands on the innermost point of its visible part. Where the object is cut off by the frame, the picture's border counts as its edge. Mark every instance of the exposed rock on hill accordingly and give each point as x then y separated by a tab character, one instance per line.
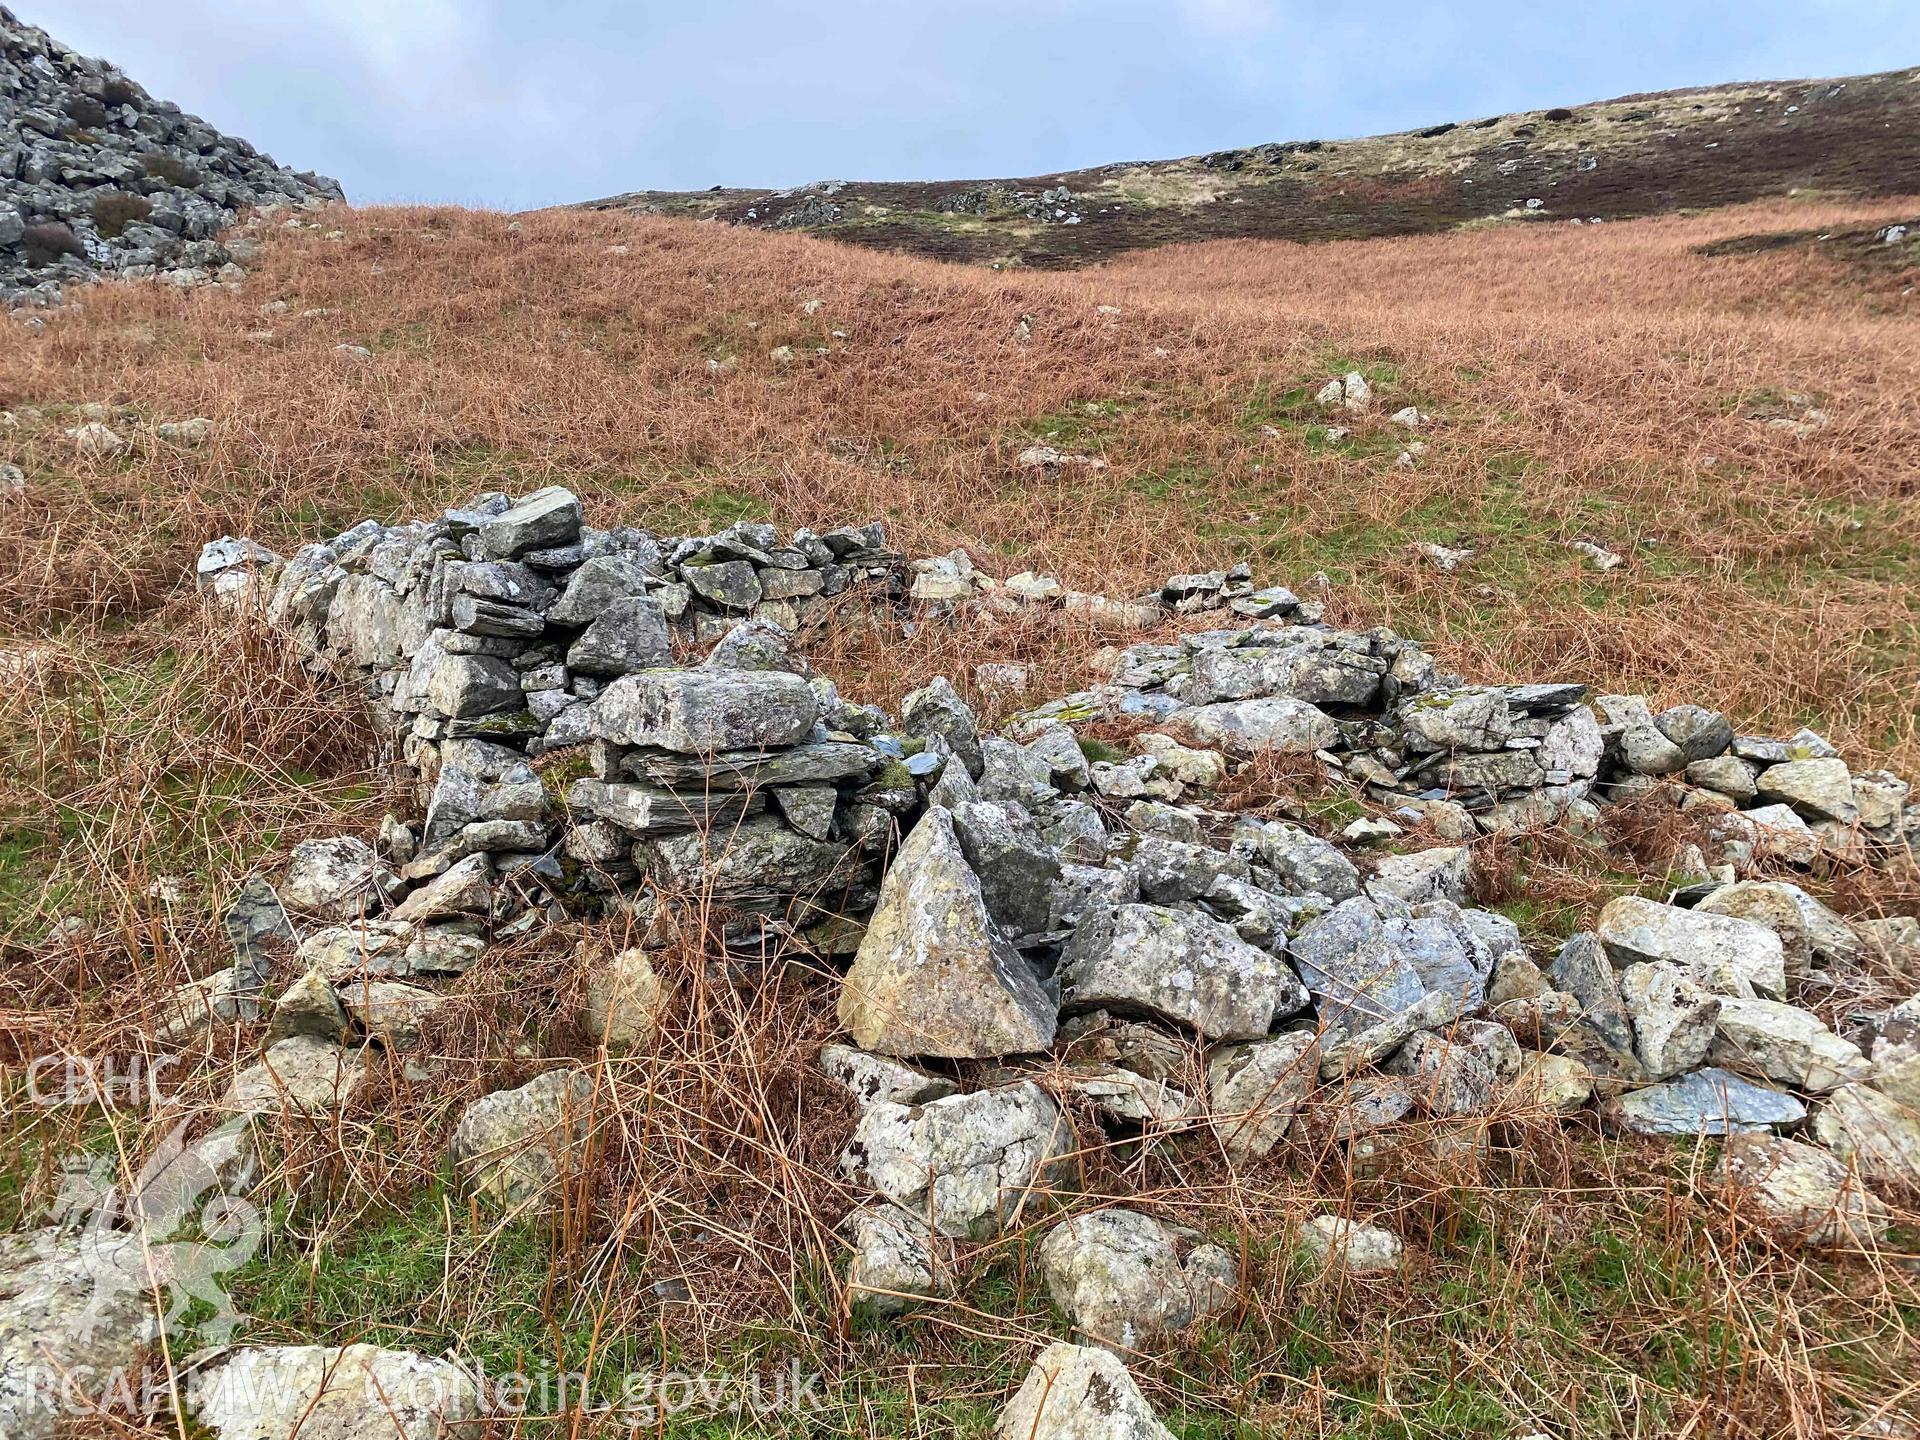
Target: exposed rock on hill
1638	155
98	177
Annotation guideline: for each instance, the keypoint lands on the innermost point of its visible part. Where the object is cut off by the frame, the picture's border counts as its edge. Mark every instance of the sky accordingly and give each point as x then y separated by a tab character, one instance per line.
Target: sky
516	104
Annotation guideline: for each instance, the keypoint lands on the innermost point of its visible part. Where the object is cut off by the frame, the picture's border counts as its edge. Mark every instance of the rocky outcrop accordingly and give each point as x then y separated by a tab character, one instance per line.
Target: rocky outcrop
97	177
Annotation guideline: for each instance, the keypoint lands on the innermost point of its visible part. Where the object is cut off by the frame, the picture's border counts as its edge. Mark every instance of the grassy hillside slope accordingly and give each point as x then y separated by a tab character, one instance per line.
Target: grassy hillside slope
1611	160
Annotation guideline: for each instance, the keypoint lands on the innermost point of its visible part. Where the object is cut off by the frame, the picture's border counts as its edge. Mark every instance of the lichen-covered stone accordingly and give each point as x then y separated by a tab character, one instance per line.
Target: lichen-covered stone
1246	728
1800	1195
1674	1017
935	975
973	1164
1255	1090
1347	1247
1186	968
1126	1280
1787	1044
315	1392
895	1260
1078	1392
515	1146
702	712
1727	955
1705	1102
1874	1131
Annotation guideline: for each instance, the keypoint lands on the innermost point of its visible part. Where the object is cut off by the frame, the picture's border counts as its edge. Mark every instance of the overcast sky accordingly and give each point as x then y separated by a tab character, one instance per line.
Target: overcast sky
517	104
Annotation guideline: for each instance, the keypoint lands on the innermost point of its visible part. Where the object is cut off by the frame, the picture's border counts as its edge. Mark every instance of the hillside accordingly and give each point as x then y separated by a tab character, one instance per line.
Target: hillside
1611	160
99	177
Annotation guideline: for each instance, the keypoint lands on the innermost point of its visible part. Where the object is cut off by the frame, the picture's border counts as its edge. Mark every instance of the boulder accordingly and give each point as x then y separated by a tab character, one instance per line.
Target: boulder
934	974
1055	745
514	1147
972	1164
1345	1247
1303	863
65	1327
1013	776
596	585
1447	1075
1582	970
1016	869
1705	1102
1084	889
701	712
728	584
1369	959
629	634
464	889
1879	1135
1726	955
1245	728
1125	1280
1186	968
542	520
625	1001
1347	1052
334	879
874	1078
1724	775
757	864
1438	873
1640	743
1700	733
808	808
1559	1083
1771	905
315	1392
301	1075
1078	1392
1674	1018
895	1260
1816	789
389	948
1896	1054
1172	871
937	710
1255	1090
391	1013
309	1007
1784	1043
467	687
1800	1195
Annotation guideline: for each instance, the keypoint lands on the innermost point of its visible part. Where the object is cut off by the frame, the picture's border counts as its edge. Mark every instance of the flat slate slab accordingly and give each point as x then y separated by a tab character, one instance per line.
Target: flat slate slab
1707	1102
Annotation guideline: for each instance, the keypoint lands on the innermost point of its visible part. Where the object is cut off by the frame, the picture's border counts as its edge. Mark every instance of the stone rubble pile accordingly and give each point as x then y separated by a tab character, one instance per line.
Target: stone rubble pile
99	178
1035	933
503	633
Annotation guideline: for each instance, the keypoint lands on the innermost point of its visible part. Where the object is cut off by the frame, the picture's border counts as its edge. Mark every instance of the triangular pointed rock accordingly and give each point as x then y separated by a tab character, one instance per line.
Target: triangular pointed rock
935	975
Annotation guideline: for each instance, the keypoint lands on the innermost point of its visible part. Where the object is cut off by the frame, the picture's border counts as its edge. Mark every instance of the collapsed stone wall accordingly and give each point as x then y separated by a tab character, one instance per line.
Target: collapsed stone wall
1028	921
98	177
504	631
